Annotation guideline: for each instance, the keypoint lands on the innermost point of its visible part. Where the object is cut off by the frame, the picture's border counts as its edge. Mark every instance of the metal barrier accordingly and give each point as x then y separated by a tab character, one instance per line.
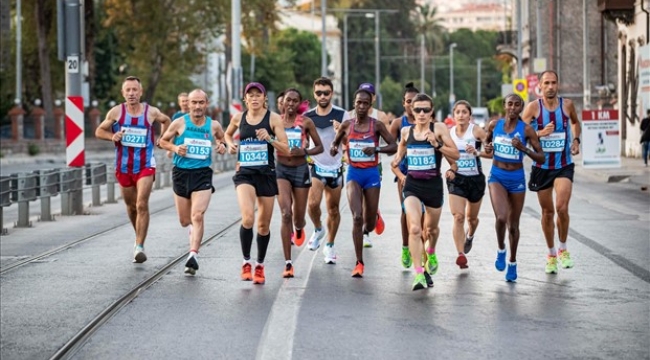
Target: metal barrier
110	185
48	186
96	175
5	199
71	187
25	186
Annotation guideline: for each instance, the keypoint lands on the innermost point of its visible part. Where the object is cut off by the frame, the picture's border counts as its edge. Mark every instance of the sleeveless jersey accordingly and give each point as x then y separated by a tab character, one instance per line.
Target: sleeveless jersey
423	160
135	151
199	145
255	156
324	163
468	164
557	145
405	122
296	135
357	141
502	141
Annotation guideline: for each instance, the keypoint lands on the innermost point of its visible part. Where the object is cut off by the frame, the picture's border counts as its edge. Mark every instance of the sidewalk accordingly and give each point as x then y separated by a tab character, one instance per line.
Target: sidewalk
632	170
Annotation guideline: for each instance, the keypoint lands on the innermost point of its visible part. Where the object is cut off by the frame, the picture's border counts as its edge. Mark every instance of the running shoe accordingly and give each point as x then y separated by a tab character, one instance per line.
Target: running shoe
432	264
380	226
468	244
358	270
316	238
299	240
511	274
429	279
565	259
138	255
329	253
551	264
500	263
366	241
420	282
288	271
406	258
246	272
461	261
191	266
259	278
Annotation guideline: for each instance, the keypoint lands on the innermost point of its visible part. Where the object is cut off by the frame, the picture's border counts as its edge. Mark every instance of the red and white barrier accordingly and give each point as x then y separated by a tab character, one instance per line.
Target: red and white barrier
74	131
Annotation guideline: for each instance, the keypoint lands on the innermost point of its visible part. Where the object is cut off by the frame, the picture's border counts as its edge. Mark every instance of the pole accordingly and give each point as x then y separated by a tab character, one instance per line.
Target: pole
433	77
422	63
519	30
538	30
452	96
323	51
236	50
346	78
19	55
478	82
377	59
586	102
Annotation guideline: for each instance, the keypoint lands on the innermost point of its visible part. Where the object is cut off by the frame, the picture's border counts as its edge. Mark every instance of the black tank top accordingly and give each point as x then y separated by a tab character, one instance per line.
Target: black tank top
255	156
422	159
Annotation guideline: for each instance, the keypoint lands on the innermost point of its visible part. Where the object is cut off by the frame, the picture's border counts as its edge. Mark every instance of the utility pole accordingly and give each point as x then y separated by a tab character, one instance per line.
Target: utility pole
586	102
538	30
19	54
478	82
323	51
346	78
236	52
377	59
519	30
422	51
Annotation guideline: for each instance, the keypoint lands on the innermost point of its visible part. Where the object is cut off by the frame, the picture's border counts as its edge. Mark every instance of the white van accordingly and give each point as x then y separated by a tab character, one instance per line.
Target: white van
480	115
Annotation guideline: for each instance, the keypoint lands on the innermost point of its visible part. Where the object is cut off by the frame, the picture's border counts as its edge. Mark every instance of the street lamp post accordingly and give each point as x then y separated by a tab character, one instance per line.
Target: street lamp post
478	82
452	96
377	62
346	78
323	6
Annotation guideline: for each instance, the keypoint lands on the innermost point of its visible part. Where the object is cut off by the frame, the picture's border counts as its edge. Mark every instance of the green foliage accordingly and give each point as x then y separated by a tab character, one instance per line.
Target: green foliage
33	149
496	106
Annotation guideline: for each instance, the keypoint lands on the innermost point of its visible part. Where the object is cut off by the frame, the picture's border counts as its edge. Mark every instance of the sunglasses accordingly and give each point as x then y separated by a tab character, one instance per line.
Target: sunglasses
321	93
424	110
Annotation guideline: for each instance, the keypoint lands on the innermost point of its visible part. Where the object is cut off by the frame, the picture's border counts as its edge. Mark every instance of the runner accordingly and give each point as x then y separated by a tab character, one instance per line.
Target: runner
129	126
294	179
507	181
381	116
190	139
465	179
183	103
280	103
396	127
363	179
326	170
423	145
261	132
559	142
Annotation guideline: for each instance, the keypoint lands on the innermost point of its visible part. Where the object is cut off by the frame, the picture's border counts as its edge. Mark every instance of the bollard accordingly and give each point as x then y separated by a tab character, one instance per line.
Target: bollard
72	191
48	186
25	185
5	199
110	185
97	178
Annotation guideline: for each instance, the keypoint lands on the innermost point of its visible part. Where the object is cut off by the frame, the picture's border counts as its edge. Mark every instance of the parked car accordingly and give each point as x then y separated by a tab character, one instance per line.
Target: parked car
481	116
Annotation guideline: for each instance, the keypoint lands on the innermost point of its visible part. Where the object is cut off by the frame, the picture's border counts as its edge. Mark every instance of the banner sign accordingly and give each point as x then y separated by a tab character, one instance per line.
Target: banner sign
601	142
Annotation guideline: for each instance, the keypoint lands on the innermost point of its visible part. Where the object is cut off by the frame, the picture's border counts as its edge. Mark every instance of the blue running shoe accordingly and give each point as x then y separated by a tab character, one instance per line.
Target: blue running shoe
500	264
511	274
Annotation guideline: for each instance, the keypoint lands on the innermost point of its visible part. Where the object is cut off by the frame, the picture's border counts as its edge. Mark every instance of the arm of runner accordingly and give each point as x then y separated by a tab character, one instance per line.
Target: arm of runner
230	131
104	130
218	134
391	146
163	119
313	135
340	134
280	142
482	136
401	150
166	140
530	111
536	154
448	148
576	127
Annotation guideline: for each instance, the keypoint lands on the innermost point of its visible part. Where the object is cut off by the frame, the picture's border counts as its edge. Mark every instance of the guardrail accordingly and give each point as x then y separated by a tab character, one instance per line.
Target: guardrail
23	188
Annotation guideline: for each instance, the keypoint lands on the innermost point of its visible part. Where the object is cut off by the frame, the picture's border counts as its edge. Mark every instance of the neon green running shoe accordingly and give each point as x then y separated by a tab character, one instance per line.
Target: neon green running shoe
432	264
406	258
551	264
565	259
420	282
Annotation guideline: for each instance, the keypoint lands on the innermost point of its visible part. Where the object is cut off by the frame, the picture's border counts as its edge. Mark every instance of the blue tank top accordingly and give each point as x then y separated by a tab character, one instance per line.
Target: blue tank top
557	145
199	145
502	141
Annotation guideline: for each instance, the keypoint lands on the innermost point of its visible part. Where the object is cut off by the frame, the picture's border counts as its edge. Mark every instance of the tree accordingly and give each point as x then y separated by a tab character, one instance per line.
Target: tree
44	16
429	25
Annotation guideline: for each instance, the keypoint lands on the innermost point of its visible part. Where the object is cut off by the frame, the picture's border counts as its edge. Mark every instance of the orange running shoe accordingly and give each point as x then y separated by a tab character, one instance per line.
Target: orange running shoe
299	240
379	228
246	272
461	261
288	271
259	278
358	270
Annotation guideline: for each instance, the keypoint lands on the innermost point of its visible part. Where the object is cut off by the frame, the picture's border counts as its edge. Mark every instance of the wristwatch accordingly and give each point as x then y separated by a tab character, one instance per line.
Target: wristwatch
577	139
377	149
440	145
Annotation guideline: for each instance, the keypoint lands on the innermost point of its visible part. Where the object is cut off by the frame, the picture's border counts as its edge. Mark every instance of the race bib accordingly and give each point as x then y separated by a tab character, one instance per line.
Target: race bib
199	149
326	173
554	142
420	158
355	147
134	136
253	153
467	164
503	148
295	137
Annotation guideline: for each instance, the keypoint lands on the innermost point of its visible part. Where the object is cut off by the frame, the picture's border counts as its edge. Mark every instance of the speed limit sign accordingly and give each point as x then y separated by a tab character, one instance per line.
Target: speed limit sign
73	64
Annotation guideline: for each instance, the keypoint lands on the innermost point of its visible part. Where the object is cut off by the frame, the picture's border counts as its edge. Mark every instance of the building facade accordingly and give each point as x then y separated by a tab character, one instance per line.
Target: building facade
475	16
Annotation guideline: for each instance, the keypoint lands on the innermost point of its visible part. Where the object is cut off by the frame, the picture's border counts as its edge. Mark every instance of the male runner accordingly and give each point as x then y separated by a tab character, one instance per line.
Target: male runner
183	102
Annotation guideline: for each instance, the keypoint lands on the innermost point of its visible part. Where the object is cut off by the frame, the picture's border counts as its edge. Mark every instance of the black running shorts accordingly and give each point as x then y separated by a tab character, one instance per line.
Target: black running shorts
471	188
332	182
187	181
265	184
541	179
429	192
298	176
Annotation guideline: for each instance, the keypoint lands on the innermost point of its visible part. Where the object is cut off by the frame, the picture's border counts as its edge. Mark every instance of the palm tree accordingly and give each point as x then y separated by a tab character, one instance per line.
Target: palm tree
429	25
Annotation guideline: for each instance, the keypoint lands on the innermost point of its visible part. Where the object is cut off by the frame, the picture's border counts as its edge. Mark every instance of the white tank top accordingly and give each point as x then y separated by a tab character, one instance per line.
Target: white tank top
467	164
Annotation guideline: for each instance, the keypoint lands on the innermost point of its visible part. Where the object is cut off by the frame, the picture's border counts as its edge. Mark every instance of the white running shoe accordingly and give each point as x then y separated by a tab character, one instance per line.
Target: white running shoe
330	254
138	255
366	241
316	238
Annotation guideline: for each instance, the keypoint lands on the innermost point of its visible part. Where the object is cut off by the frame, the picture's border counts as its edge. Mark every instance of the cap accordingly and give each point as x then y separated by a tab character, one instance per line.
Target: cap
255	85
368	87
